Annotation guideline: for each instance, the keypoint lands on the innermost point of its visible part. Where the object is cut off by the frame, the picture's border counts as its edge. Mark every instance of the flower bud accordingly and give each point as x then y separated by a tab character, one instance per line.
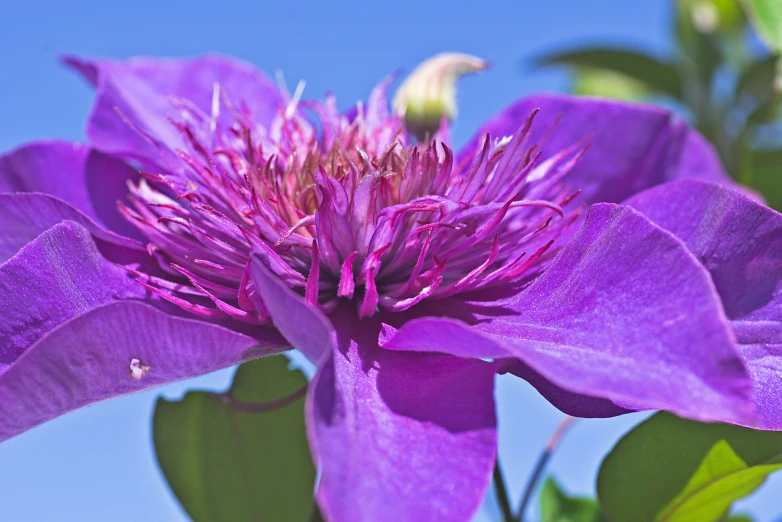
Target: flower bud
429	94
709	16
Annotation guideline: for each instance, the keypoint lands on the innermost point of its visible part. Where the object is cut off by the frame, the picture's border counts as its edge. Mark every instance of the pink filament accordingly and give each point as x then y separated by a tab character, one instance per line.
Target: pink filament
356	213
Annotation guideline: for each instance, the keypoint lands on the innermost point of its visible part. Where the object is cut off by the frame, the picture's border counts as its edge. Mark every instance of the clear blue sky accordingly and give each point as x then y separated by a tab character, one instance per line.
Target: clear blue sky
97	464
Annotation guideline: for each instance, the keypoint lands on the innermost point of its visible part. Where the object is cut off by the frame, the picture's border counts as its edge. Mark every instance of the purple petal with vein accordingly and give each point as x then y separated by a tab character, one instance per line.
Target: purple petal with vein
569	403
24	216
113	350
135	98
632	147
305	327
418	426
607	319
388	427
739	241
89	181
58	276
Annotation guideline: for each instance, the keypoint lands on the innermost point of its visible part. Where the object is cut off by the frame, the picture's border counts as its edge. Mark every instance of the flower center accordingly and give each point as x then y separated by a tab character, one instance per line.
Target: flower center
348	212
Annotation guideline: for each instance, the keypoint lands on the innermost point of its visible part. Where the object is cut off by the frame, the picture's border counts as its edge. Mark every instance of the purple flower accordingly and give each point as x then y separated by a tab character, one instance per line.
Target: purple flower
409	273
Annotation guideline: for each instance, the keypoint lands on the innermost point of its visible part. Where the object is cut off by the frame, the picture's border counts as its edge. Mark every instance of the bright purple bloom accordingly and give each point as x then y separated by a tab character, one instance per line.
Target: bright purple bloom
410	274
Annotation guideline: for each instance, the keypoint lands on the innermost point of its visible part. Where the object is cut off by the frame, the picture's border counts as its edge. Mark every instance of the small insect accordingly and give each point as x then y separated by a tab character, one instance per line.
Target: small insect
138	369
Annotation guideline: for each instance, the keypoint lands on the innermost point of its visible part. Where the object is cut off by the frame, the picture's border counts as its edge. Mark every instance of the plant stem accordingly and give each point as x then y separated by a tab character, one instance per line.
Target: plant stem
502	493
551	446
258	407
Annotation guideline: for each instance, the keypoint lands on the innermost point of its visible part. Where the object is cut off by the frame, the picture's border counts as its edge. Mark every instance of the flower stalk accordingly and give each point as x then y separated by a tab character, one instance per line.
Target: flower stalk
260	407
545	456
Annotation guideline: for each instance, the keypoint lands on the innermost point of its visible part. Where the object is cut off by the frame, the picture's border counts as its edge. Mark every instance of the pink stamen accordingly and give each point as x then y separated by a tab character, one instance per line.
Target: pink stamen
352	212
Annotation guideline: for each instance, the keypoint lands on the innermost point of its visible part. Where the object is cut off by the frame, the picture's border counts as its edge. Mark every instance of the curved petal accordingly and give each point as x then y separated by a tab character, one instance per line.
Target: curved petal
632	147
388	429
59	275
129	118
112	350
87	180
289	313
740	243
24	216
625	313
569	403
698	159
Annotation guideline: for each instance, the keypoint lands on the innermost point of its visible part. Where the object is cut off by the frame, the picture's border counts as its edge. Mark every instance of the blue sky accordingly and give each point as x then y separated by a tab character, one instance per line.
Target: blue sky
97	464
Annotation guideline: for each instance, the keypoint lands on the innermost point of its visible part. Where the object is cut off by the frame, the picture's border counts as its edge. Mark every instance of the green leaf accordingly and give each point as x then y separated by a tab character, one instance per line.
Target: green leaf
654	463
702	55
721	479
600	82
764	113
766	16
737	518
556	506
658	76
226	464
761	169
757	80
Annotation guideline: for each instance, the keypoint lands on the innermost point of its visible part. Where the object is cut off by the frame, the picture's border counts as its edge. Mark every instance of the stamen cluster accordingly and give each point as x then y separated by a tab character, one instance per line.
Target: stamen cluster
344	207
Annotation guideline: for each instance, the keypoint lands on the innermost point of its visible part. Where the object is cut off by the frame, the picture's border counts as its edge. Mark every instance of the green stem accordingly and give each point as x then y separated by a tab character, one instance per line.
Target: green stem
502	493
259	407
548	451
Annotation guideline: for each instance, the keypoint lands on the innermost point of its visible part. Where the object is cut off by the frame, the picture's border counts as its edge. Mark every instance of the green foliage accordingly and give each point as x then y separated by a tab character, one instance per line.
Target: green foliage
756	81
603	83
226	464
728	91
670	469
726	14
656	75
700	53
721	479
556	506
762	171
767	18
736	518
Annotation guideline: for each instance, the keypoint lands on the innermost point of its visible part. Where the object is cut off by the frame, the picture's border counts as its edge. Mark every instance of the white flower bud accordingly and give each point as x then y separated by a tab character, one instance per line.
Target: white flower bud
429	94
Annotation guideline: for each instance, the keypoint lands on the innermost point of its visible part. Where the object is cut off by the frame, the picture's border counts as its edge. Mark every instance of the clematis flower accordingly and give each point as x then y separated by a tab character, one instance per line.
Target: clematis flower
409	273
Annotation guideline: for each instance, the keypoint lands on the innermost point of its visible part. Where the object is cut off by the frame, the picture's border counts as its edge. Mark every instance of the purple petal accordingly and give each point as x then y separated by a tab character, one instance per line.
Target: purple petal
59	275
129	118
112	350
740	243
87	180
624	313
388	429
25	216
698	159
289	312
573	404
633	147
